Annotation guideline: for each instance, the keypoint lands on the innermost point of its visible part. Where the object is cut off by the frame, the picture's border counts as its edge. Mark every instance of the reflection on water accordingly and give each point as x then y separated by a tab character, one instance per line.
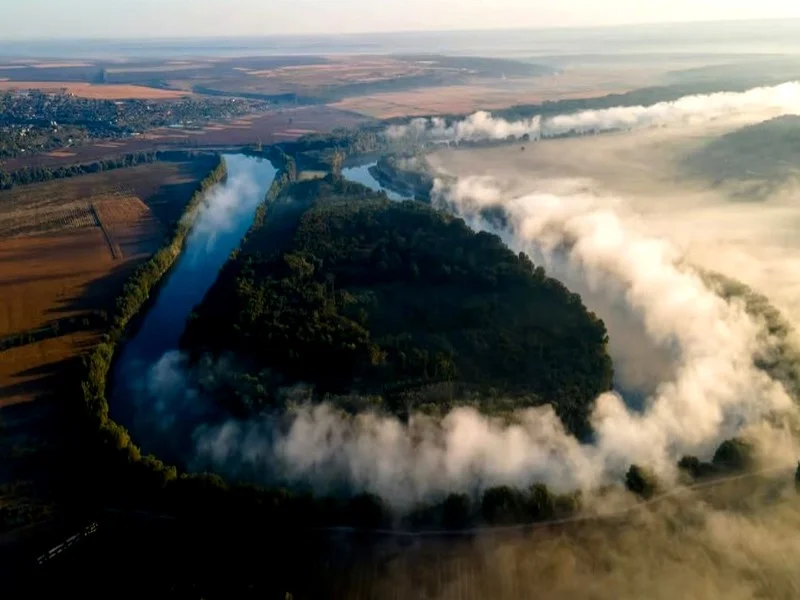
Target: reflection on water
364	177
220	226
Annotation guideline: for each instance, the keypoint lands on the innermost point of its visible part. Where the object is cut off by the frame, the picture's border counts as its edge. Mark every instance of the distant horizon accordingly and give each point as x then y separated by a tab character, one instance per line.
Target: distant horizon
40	20
730	37
403	32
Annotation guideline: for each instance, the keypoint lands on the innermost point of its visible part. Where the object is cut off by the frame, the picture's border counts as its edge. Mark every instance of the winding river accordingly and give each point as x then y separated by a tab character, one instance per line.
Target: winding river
224	219
148	395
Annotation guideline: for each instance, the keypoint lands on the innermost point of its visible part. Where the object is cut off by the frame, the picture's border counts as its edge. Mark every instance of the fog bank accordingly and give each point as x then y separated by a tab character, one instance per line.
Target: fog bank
689	110
706	389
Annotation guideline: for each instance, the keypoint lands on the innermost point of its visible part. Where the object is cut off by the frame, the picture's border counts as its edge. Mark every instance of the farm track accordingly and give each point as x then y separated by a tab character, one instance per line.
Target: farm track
113	247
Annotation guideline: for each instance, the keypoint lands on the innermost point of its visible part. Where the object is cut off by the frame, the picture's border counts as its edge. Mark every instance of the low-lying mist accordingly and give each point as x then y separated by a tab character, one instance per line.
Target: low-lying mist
705	386
691	110
694	547
685	360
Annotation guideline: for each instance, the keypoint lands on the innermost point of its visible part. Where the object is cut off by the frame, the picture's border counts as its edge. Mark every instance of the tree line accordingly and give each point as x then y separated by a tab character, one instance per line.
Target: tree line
39	174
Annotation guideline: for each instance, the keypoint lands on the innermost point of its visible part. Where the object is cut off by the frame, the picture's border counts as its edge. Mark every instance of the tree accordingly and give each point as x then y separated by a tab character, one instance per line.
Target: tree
695	468
797	476
367	511
503	505
456	511
337	161
734	455
641	482
541	503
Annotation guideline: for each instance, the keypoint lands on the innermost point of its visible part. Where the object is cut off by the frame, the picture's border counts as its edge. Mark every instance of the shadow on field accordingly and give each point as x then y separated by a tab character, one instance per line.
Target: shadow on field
97	295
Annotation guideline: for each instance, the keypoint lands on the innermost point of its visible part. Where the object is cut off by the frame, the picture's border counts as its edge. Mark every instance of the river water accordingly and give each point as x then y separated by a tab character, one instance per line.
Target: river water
364	177
218	230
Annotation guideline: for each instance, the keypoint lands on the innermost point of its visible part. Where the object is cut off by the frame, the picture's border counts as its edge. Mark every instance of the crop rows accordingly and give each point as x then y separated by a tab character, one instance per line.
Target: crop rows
72	216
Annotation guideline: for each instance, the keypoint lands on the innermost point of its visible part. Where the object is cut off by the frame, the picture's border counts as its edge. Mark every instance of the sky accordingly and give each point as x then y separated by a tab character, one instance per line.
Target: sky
38	19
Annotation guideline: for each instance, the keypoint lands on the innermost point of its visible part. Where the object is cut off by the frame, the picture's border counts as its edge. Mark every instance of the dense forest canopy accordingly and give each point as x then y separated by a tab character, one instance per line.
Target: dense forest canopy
399	303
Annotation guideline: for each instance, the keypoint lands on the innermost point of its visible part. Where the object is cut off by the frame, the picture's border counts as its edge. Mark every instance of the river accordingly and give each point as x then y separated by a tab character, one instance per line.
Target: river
364	177
149	397
218	230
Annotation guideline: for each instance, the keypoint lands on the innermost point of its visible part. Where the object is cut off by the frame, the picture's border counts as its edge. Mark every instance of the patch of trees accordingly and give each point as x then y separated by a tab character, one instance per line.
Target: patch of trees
498	505
641	481
761	158
780	357
733	456
325	151
406	174
403	302
55	328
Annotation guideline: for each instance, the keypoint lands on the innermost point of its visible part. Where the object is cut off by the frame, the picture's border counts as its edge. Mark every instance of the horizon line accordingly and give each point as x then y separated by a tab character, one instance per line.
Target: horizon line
320	34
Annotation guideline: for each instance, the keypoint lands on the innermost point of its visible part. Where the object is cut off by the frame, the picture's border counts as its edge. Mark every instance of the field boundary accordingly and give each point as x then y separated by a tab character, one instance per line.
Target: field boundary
113	247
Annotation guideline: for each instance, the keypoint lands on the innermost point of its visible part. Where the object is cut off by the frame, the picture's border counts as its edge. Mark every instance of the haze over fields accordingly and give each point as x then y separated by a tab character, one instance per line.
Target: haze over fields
147	18
424	299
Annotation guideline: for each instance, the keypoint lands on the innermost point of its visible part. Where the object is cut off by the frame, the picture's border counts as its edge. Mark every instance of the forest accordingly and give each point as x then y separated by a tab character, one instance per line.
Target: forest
401	304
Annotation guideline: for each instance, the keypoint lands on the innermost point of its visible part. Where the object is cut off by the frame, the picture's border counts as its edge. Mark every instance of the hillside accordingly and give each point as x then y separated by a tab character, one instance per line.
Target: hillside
763	156
399	304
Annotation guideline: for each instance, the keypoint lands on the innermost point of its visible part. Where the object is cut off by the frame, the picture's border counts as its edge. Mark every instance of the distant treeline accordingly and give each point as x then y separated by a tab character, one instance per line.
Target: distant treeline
329	151
39	174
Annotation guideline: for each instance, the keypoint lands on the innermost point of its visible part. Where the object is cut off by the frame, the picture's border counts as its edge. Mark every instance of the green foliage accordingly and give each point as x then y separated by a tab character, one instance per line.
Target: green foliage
734	455
387	298
641	482
55	328
367	511
115	449
779	356
406	174
506	505
329	151
503	505
456	511
39	174
763	156
695	468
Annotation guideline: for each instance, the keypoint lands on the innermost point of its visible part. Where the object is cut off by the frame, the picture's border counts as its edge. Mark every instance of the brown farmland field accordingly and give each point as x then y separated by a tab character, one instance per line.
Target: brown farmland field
96	91
45	277
66	248
462	99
